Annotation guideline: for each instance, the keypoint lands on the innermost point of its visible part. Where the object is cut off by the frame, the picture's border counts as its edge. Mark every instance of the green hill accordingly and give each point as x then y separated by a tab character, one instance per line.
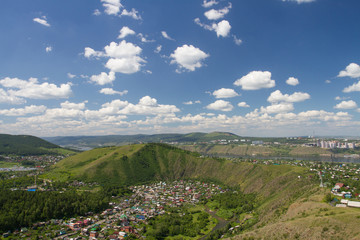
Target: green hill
277	186
283	199
27	145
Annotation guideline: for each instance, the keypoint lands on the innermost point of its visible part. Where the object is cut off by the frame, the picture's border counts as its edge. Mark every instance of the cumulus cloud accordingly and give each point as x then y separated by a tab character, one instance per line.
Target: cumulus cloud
292	81
42	21
346	105
353	88
70	105
213	14
6	97
112	7
225	93
126	31
220	105
243	104
133	14
32	109
110	91
34	90
299	1
103	78
277	96
122	50
209	3
188	57
255	80
166	36
352	70
124	57
89	52
48	49
277	108
125	65
222	28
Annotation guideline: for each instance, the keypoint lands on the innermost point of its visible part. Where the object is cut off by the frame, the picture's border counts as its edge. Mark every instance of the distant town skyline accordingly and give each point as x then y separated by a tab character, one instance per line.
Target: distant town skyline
254	68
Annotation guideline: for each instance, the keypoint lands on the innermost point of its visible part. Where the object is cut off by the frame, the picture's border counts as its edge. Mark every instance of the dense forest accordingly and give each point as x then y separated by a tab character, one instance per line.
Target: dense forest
24	145
22	208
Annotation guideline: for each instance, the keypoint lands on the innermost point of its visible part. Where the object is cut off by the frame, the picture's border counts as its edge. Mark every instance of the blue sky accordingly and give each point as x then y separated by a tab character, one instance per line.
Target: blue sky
254	68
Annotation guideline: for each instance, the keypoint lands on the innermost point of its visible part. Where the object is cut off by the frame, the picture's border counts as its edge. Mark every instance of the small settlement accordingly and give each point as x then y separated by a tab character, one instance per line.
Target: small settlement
126	217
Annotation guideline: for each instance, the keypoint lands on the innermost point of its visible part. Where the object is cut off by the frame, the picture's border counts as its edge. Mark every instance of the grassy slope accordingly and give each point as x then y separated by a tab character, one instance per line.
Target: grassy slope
309	218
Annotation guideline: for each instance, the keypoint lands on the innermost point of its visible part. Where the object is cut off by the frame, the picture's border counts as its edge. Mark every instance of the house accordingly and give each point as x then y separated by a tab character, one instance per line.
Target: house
354	204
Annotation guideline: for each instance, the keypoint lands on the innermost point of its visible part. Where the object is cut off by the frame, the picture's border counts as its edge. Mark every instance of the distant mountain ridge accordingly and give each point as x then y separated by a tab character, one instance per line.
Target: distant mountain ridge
26	145
88	142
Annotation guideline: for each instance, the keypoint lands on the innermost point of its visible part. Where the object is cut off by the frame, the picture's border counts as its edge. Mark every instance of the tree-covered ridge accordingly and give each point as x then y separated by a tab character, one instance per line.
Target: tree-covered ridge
25	145
23	208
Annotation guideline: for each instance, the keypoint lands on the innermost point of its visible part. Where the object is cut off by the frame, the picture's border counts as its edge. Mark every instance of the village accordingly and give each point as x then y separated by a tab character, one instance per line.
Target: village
125	217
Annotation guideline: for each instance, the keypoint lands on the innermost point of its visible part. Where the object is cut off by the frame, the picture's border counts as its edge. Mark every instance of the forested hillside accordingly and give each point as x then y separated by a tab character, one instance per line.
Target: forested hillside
26	145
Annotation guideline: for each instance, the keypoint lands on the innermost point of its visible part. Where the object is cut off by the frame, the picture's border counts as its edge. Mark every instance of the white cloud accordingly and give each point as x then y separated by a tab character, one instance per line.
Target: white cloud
327	81
277	96
144	38
148	106
103	78
292	81
191	102
209	3
165	35
70	105
125	65
124	57
96	12
341	98
42	21
220	105
110	91
126	31
89	52
34	90
221	29
299	1
352	70
71	75
346	105
225	93
255	80
278	108
48	49
133	13
243	104
6	97
112	7
353	88
188	57
158	49
32	109
237	41
122	50
213	14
